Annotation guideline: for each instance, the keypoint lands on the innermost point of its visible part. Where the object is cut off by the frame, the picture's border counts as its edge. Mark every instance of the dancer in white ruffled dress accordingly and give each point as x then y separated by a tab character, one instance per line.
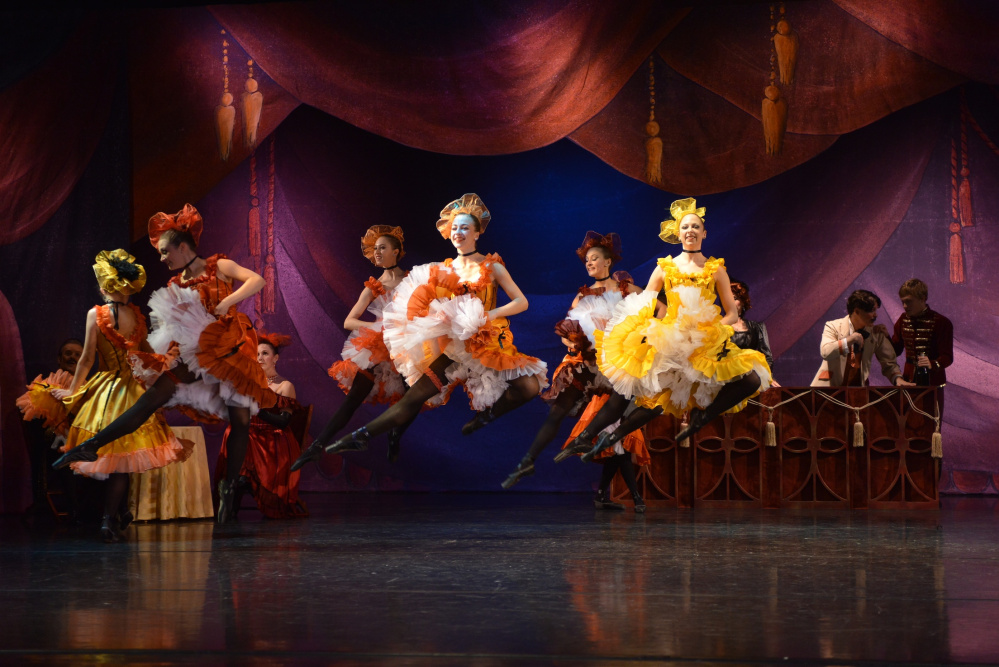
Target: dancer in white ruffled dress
443	328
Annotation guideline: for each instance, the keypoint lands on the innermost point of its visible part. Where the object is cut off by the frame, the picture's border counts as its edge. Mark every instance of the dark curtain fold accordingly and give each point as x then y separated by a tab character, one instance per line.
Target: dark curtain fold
15	472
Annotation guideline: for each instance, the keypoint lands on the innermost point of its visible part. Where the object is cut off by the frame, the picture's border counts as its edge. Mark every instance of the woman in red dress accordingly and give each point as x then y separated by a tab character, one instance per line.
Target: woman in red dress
267	466
205	349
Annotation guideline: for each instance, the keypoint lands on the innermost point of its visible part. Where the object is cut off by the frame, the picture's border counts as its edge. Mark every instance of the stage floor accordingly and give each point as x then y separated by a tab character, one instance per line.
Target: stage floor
488	579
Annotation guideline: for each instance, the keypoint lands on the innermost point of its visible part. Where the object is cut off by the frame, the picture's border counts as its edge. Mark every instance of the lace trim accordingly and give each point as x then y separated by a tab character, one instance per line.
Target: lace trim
106	326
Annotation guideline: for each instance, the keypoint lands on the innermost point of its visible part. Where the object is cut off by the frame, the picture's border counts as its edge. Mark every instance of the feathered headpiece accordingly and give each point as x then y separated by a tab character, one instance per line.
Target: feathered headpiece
669	230
275	340
611	243
186	219
470	204
117	272
374	233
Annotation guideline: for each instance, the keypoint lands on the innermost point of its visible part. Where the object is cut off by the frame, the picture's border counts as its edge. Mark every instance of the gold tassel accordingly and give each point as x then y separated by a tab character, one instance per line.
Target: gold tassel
771	434
653	154
253	104
964	199
225	122
786	45
774	119
956	257
936	446
858	433
685	443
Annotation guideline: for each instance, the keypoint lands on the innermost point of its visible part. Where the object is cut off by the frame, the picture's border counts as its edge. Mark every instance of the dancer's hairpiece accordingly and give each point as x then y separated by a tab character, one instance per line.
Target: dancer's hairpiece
470	204
374	233
611	243
118	273
669	230
186	219
275	340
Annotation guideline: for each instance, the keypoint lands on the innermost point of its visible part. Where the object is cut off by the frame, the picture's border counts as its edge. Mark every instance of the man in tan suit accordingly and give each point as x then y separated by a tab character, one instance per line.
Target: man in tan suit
849	343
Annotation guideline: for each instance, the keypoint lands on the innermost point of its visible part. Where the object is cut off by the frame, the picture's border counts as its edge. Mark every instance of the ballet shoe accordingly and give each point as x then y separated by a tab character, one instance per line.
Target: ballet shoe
602	501
355	442
313	452
603	442
524	469
125	520
580	445
85	451
480	419
394	440
698	419
639	503
227	501
109	531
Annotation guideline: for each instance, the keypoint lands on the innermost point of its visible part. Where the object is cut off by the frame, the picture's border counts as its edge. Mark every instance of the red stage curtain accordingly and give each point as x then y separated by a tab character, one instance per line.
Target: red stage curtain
52	120
15	470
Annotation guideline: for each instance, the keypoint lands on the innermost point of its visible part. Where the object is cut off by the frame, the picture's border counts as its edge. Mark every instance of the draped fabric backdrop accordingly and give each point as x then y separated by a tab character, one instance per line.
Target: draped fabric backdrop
376	113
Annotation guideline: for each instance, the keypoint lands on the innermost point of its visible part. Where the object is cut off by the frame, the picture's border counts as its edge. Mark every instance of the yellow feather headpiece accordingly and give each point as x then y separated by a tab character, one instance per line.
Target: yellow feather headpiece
117	272
669	230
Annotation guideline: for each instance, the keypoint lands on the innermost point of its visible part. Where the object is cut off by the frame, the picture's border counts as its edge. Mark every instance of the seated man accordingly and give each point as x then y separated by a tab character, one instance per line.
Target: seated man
849	343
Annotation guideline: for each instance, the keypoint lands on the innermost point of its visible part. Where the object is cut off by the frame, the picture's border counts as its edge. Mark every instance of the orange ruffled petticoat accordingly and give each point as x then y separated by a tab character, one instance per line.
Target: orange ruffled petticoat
634	442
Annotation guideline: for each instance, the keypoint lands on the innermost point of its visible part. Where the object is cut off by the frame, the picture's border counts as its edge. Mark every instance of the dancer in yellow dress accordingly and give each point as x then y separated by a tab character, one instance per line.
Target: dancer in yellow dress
685	361
114	331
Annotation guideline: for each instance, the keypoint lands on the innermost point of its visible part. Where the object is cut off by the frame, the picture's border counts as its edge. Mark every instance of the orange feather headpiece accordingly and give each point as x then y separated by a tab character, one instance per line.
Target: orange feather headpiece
186	219
275	340
374	233
469	204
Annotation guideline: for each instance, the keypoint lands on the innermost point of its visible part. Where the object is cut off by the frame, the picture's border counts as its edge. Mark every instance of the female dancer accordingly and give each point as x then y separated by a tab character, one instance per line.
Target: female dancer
272	447
215	374
366	373
750	335
114	331
684	361
577	379
443	326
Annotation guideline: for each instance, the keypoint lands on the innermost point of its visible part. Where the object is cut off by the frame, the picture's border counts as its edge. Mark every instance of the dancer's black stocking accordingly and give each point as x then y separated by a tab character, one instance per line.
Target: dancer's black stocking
731	395
359	390
557	412
628	474
115	493
518	391
610	467
402	413
634	419
610	413
236	443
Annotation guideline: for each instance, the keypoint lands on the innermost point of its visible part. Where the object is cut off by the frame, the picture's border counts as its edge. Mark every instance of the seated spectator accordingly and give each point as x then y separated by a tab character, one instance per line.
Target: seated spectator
849	343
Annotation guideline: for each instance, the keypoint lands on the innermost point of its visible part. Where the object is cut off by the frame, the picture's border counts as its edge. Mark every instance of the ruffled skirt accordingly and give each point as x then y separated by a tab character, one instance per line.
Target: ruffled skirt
419	325
221	352
364	352
680	362
101	400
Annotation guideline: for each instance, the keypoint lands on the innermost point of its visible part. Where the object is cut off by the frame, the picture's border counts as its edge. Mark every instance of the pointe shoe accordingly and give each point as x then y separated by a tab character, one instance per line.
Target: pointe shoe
355	442
639	503
109	531
85	451
580	445
602	501
394	440
524	469
227	501
480	419
603	442
313	452
698	419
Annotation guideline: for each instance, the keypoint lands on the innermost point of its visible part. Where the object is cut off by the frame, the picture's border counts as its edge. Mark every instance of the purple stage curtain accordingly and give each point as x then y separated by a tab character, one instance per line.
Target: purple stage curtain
52	120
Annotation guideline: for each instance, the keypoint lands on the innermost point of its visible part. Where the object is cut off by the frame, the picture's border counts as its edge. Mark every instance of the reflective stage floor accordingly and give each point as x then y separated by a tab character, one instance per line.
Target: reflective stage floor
490	579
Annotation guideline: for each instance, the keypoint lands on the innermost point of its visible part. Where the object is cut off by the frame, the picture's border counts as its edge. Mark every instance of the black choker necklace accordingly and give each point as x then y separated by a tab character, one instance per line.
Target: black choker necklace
466	254
600	280
389	268
184	268
691	252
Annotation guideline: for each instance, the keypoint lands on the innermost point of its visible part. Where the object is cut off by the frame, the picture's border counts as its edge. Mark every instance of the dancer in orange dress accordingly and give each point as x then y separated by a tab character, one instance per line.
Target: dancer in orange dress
205	349
81	409
267	467
443	327
365	372
577	382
